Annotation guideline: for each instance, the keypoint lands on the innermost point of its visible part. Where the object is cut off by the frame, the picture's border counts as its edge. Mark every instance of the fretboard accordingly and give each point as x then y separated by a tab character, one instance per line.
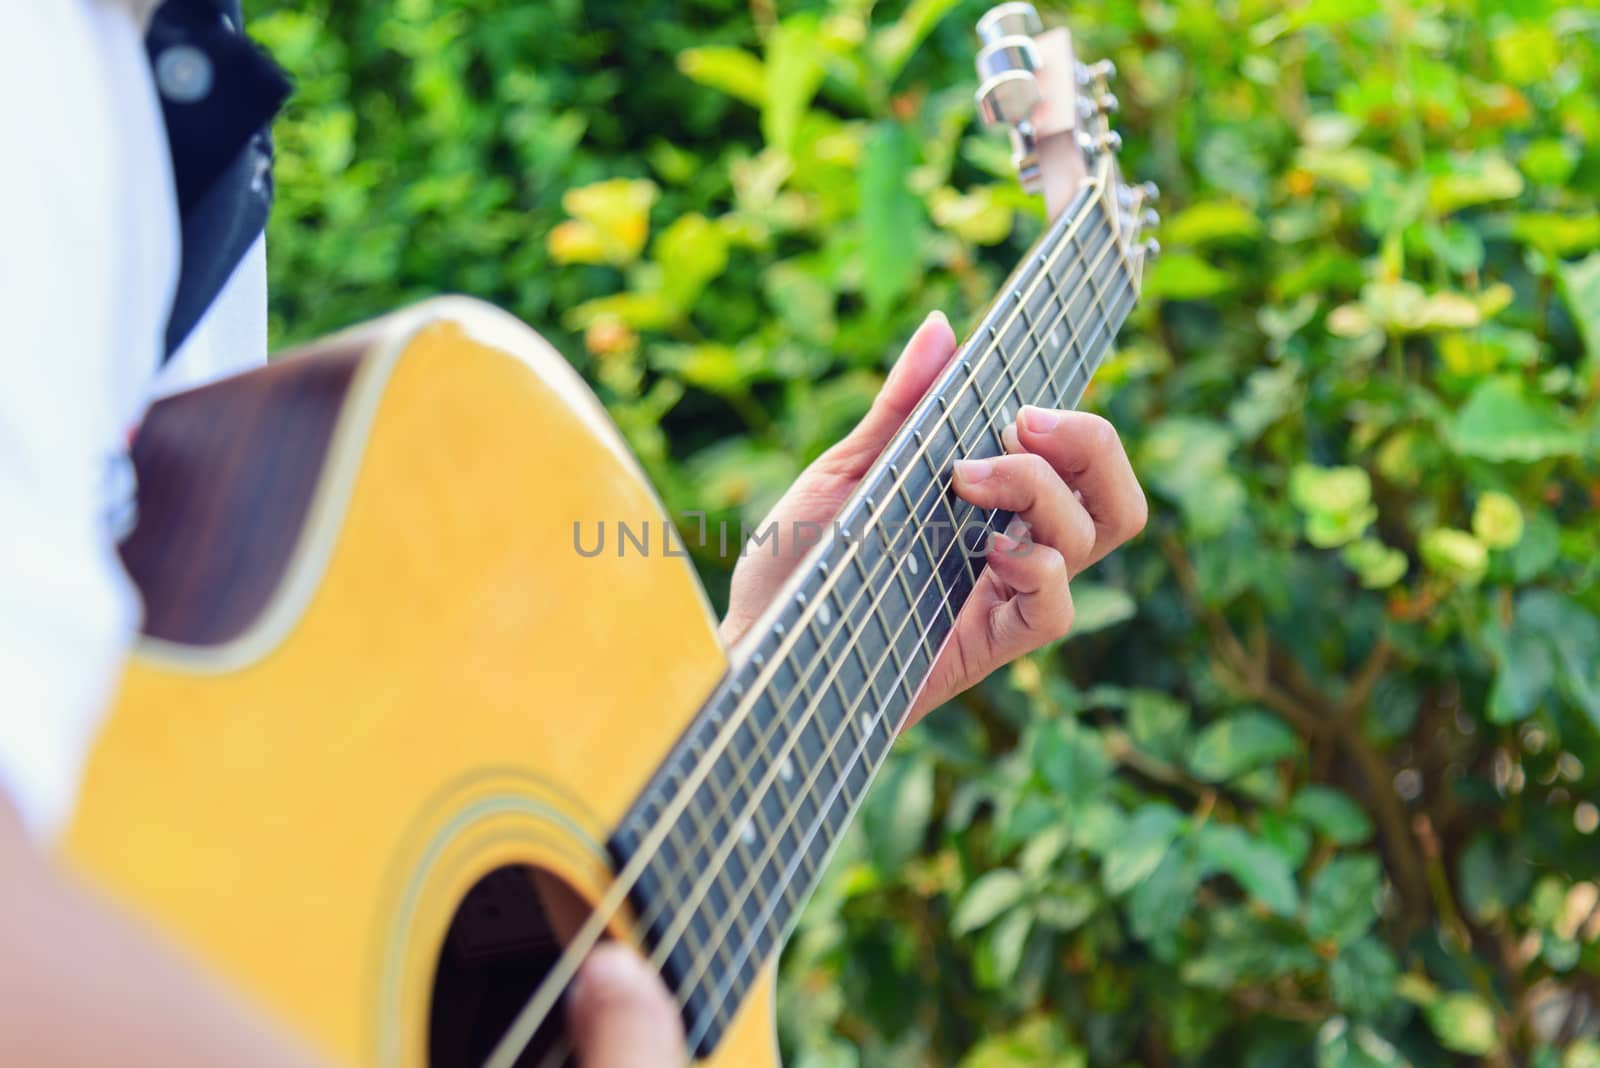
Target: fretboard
758	791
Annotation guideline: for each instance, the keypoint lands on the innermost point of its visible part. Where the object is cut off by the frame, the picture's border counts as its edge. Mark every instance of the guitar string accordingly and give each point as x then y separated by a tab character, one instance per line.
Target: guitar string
753	884
747	889
803	673
538	1007
852	548
750	940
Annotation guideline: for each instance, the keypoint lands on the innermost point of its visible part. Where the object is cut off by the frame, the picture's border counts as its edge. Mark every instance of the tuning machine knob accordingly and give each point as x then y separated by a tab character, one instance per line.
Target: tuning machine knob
1008	98
1009	20
1100	70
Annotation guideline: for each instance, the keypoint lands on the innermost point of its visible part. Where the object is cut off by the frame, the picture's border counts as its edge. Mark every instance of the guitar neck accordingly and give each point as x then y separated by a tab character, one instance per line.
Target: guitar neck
761	787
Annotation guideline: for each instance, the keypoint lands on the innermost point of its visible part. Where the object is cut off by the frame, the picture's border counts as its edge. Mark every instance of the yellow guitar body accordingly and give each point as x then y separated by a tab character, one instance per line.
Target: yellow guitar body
435	684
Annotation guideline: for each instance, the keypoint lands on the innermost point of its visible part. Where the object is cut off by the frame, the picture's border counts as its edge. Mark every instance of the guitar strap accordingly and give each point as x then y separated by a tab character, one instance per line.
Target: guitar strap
219	93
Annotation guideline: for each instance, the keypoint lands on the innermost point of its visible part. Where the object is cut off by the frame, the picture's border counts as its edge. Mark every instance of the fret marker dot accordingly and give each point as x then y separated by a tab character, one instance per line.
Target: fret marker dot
866	720
786	769
747	833
911	564
825	614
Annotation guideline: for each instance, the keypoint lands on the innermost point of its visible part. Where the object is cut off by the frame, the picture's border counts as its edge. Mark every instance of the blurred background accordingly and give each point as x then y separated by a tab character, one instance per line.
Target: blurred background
1315	780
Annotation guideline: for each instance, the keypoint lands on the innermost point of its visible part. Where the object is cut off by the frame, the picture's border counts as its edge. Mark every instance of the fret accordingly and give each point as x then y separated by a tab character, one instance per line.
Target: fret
1020	344
737	865
846	676
697	935
921	525
887	611
772	816
1027	369
799	809
818	769
841	676
989	421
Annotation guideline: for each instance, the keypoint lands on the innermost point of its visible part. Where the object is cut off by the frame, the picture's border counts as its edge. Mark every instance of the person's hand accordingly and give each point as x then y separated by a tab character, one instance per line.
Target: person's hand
1065	475
621	1015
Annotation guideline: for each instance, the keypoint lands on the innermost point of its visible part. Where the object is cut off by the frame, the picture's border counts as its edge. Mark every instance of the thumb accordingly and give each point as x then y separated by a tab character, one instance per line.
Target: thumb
925	356
621	1015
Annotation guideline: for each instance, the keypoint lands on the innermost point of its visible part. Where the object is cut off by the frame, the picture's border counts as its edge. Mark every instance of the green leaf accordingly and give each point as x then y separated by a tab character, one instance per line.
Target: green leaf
1573	635
1343	1045
1139	849
1099	606
1186	460
1071	759
1336	501
1003	946
1470	180
1376	564
1455	554
793	73
1502	421
1553	642
1184	276
1362	977
897	811
1557	234
1239	743
1288	837
1038	1040
993	893
691	251
1261	870
1065	906
1464	1023
727	70
894	45
1333	814
891	219
1580	289
1497	520
1158	723
1343	900
1209	222
1494	879
1159	904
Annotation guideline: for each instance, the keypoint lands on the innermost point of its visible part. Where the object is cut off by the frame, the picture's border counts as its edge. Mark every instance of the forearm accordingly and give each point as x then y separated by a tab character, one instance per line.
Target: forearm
83	986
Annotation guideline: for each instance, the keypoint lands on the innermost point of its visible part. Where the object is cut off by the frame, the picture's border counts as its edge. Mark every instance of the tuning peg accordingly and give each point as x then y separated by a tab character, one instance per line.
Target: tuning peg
1008	53
1151	248
1149	218
1099	70
1009	20
1108	103
1110	141
1008	98
1149	190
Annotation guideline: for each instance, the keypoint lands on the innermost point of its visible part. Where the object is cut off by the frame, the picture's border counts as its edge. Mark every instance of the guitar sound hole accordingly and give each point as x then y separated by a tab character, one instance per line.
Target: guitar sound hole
501	944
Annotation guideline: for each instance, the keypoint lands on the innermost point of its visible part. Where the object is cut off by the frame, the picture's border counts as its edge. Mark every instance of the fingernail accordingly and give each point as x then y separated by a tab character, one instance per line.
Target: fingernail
1008	438
1039	420
1000	543
1018	528
612	971
974	470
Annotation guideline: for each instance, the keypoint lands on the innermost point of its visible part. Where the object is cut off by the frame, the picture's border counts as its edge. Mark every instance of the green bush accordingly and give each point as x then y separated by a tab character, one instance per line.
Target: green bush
1316	779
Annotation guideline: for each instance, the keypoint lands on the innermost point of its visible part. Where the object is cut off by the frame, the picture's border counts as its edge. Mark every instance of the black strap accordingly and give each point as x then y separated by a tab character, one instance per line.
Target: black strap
219	93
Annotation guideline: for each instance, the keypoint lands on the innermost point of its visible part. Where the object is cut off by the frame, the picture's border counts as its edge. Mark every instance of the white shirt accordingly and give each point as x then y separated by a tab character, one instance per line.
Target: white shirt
89	249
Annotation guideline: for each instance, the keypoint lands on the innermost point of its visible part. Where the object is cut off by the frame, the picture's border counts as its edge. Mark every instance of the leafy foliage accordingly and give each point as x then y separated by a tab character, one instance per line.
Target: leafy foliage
1314	783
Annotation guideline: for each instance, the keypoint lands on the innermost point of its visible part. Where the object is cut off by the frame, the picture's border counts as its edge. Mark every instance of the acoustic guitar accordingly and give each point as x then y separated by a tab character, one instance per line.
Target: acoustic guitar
396	747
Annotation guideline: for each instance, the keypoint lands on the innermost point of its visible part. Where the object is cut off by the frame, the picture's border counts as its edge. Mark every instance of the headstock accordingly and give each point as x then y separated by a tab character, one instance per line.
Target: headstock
1058	112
